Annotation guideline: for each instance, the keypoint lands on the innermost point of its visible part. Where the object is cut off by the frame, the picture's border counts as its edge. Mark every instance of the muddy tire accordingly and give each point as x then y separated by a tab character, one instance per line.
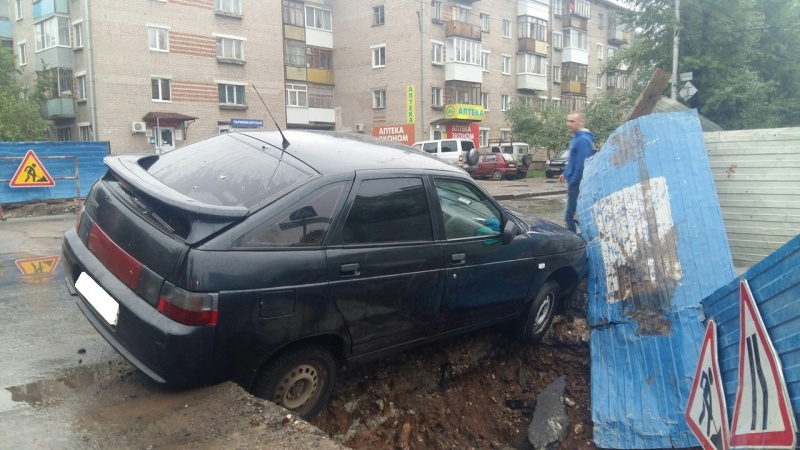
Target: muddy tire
533	326
497	175
300	379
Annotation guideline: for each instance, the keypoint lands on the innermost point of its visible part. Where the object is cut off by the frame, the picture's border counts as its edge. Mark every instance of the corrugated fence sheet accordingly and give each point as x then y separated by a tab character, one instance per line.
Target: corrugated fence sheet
90	167
657	246
775	284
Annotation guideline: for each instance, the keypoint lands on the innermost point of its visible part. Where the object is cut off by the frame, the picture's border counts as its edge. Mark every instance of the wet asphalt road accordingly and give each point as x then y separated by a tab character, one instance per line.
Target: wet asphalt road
48	348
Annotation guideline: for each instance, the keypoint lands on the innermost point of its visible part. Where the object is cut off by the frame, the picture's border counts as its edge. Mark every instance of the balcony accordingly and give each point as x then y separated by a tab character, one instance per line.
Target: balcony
531	82
465	30
581	8
457	71
59	108
574	22
45	8
320	76
573	87
295	73
575	55
527	45
617	37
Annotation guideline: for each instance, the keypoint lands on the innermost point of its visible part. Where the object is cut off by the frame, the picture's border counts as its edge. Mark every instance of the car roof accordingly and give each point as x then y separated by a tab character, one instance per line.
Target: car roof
330	152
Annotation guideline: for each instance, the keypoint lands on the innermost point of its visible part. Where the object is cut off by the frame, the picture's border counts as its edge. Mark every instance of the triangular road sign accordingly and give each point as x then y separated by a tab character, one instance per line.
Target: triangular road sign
31	173
763	416
37	266
705	413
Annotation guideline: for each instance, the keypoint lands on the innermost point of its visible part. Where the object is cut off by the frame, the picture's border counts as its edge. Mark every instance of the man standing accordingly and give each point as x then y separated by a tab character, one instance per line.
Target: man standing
580	148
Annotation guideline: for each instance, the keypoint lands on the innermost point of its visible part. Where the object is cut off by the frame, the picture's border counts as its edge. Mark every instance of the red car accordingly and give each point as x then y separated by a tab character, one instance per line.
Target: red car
496	166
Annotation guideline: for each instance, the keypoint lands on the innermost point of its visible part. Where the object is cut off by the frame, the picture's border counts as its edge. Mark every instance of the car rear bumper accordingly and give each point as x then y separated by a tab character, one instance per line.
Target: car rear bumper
166	351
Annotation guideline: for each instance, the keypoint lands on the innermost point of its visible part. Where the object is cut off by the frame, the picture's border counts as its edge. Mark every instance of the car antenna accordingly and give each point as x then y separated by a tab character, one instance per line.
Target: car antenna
285	144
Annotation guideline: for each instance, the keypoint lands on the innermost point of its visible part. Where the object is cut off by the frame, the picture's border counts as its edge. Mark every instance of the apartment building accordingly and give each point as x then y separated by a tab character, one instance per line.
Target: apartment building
151	75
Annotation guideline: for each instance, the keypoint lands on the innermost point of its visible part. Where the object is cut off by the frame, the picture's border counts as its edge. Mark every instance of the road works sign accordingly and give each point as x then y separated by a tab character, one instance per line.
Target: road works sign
763	416
706	414
31	173
37	266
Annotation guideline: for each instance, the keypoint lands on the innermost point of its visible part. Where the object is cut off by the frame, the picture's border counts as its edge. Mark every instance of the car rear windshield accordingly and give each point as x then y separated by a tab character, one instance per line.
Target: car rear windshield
224	171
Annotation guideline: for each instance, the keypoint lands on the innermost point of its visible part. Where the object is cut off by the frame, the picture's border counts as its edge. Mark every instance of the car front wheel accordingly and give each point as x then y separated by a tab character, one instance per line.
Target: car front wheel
549	174
301	380
536	323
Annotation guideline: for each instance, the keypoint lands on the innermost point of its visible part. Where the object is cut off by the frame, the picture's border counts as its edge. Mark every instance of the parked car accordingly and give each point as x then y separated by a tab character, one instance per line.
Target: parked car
455	151
495	166
556	165
519	151
239	257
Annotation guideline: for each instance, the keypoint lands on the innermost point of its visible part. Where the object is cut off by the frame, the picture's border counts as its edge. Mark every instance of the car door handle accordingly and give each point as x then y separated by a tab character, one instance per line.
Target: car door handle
349	270
459	258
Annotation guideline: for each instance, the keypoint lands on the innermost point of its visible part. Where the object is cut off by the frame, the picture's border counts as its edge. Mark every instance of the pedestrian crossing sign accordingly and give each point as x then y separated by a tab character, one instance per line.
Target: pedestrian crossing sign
31	173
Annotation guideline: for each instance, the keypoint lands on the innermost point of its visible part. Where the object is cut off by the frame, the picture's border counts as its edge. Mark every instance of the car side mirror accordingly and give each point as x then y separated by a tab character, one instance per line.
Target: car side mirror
510	230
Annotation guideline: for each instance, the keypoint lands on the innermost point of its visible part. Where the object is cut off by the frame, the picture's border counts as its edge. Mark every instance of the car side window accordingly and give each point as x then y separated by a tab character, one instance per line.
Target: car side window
430	147
303	224
491	158
466	146
389	210
449	146
466	211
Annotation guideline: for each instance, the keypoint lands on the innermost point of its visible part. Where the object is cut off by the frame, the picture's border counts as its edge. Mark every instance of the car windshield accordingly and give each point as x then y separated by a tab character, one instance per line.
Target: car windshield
222	171
508	158
564	154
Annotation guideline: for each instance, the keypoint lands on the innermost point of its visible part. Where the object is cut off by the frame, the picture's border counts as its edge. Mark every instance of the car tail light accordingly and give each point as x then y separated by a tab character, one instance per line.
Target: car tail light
188	308
137	277
461	157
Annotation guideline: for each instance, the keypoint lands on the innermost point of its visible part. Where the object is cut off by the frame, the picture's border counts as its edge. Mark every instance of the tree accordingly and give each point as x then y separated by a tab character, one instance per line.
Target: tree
744	56
20	116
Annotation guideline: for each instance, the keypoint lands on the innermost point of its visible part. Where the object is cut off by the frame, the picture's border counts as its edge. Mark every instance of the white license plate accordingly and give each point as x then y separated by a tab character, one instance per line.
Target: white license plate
106	306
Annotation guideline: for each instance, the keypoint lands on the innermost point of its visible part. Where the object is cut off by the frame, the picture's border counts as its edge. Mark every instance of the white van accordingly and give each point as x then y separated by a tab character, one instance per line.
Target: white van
455	151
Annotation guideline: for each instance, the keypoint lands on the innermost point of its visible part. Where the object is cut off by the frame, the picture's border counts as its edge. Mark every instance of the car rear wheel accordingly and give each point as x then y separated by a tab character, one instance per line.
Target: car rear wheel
549	174
527	160
301	380
497	175
537	322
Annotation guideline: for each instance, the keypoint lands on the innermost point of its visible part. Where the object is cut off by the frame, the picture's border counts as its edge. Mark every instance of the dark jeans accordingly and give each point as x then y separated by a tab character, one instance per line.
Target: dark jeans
572	204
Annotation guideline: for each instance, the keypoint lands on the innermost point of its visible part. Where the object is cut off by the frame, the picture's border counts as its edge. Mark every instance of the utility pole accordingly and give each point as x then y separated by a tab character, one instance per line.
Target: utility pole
676	40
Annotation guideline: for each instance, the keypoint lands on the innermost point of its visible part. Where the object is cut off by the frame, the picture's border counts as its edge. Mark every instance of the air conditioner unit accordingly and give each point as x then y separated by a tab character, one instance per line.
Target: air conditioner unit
138	127
360	127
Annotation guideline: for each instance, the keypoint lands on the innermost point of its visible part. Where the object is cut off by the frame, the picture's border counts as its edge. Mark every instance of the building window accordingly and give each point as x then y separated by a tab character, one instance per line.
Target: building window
295	53
64	134
611	52
319	58
556	74
162	89
485	20
505	102
377	15
506	28
378	56
77	35
22	49
436	11
436	97
600	51
505	134
437	52
467	51
576	39
229	6
318	18
601	21
52	32
599	81
231	94
557	40
485	100
529	63
80	87
379	99
320	97
461	13
556	103
542	103
533	28
505	64
483	138
18	9
159	39
525	100
485	60
293	13
297	95
229	48
558	7
85	132
62	79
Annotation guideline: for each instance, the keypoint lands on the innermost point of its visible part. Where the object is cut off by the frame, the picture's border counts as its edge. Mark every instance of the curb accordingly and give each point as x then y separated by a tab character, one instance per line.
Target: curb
527	195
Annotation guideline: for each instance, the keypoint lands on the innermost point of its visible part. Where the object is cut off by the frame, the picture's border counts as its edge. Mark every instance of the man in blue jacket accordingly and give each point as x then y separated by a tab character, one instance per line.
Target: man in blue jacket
580	148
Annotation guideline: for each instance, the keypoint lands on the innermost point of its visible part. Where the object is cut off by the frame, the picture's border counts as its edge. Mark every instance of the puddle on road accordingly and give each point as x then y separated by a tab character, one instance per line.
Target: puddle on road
25	268
546	208
48	392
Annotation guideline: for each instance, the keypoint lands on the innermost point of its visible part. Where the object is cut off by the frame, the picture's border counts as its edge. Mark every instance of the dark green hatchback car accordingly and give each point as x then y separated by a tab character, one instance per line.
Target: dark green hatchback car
241	257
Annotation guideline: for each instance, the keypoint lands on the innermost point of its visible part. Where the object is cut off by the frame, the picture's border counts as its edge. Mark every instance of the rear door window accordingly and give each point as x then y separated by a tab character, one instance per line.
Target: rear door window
430	147
449	146
389	210
466	146
224	171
